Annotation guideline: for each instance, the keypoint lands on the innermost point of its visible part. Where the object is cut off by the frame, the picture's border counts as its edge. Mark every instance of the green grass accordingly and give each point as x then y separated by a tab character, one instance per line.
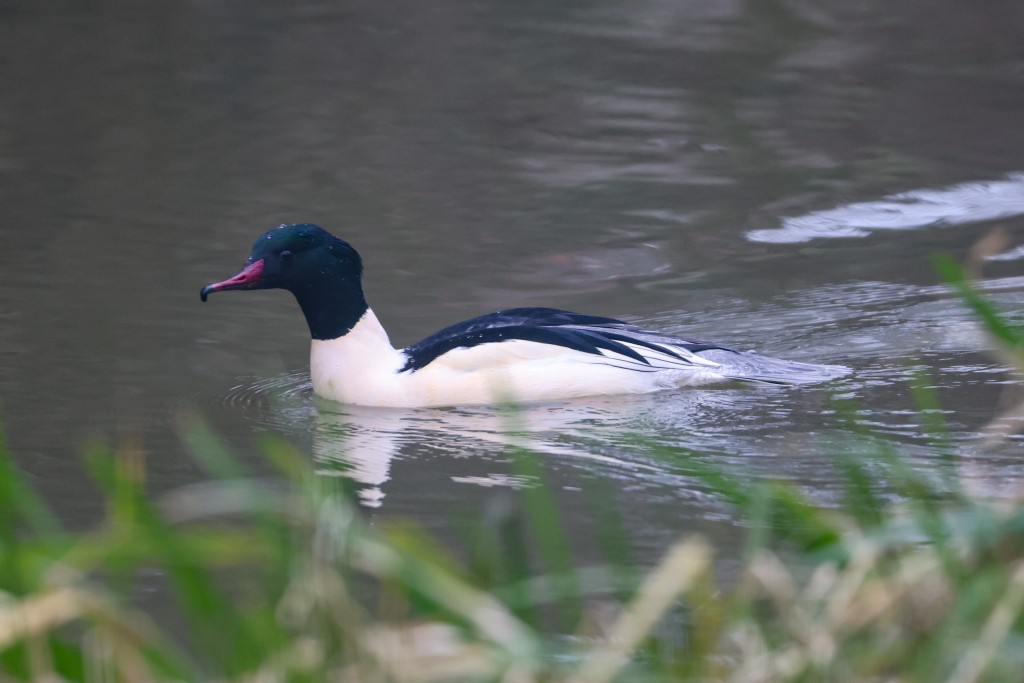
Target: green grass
282	579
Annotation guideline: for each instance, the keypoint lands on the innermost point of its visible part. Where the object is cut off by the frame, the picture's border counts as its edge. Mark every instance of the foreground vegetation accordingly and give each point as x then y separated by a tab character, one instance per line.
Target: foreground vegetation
282	579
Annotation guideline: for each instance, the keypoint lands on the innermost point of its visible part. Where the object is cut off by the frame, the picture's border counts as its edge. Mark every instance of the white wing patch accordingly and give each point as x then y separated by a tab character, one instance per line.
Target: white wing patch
504	353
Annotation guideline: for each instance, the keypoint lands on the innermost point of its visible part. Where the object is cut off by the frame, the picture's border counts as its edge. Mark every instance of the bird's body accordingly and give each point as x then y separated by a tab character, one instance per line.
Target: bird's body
522	354
363	367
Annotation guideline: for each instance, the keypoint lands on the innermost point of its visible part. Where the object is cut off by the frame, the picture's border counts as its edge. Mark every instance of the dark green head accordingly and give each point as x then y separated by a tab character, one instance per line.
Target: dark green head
322	271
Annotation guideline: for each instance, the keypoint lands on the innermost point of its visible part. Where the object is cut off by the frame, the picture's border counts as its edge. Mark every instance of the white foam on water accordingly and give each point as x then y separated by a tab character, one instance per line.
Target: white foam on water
972	202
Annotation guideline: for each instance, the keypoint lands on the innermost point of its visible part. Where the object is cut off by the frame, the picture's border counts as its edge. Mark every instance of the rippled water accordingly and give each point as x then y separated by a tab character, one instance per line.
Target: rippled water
769	176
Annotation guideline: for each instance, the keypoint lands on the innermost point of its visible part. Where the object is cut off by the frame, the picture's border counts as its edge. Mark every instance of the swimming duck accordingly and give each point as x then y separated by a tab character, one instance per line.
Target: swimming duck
519	354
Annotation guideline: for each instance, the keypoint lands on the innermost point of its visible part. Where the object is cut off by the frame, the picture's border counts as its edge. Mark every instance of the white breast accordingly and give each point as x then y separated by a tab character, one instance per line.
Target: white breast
360	367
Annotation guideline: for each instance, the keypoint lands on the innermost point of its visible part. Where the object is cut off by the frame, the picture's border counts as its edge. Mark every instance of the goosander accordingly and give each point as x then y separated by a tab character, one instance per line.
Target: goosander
519	354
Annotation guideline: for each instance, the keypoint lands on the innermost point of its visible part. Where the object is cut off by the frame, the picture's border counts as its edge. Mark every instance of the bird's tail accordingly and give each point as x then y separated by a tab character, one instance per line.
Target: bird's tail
753	367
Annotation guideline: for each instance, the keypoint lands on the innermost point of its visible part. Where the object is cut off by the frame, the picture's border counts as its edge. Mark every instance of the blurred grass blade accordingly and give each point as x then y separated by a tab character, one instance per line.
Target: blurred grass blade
993	322
208	449
18	500
546	526
600	498
681	569
39	613
1006	612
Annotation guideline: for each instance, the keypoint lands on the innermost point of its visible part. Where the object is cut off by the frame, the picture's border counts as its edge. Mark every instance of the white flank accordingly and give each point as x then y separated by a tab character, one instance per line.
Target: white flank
362	367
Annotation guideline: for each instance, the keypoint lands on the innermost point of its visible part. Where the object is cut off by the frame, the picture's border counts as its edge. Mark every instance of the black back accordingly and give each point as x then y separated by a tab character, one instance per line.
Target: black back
546	326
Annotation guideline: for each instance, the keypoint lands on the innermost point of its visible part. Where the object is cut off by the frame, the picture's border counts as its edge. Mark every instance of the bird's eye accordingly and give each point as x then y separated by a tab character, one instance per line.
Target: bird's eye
286	255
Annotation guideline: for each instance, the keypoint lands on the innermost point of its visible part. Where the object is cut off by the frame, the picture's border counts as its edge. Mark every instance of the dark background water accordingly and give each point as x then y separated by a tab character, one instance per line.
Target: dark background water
718	169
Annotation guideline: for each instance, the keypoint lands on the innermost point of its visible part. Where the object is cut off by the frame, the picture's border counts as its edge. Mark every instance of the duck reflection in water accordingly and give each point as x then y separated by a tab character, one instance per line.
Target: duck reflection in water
364	443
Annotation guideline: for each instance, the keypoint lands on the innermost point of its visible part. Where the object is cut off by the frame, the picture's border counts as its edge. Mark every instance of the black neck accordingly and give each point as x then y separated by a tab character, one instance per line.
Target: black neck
332	302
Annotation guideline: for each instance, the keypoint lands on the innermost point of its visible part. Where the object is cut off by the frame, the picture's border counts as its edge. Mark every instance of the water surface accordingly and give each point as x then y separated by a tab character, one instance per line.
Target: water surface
768	175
